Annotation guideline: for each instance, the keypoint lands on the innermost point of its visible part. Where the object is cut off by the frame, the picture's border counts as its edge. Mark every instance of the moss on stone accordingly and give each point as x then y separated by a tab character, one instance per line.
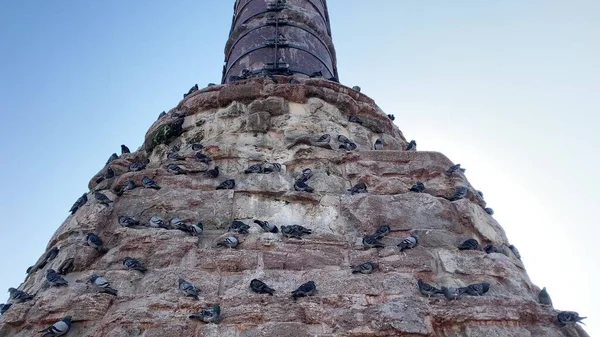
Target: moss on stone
164	134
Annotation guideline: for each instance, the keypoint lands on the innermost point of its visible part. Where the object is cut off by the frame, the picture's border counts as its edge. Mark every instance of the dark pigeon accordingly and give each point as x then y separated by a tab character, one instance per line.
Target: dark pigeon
54	279
358	188
452	293
66	266
4	307
364	268
343	139
256	168
544	297
147	182
372	241
412	146
267	226
460	193
477	289
378	144
94	241
454	168
271	167
326	138
201	157
356	88
80	202
19	296
129	185
174	155
391	117
175	169
197	147
489	211
102	198
515	251
192	90
137	166
239	227
302	186
295	231
212	173
124	149
427	289
208	315
470	244
348	146
569	317
228	184
382	231
260	287
354	119
131	263
127	221
307	289
418	187
111	158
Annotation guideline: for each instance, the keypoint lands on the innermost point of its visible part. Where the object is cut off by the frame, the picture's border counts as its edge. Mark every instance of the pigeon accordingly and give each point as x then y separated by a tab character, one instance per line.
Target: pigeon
29	269
210	85
544	297
306	174
127	221
348	146
378	144
477	289
111	158
316	74
80	202
208	315
307	289
356	88
489	211
197	147
480	193
271	167
4	307
67	266
358	188
354	119
177	223
59	328
343	139
94	241
326	138
454	168
239	227
230	241
302	186
201	157
108	173
372	241
160	115
124	149
364	268
260	287
228	184
19	296
470	244
267	226
54	279
175	169
418	187
382	231
102	285
569	317
515	251
188	288
492	249
256	168
212	173
427	289
409	242
51	255
131	263
137	166
158	222
460	193
192	89
174	155
412	146
451	293
295	231
102	198
129	185
196	229
391	117
147	182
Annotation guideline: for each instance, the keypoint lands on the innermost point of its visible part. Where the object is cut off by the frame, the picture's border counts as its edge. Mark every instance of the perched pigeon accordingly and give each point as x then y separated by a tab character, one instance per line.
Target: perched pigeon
127	221
226	185
210	85
108	173
29	269
271	167
382	231
188	288
147	182
66	266
111	158
59	328
94	241
427	289
124	149
212	173
418	187
544	297
489	211
391	117
316	74
454	168
372	241
460	193
174	155
306	174
192	90
354	119
208	315
160	115
80	202
267	226
515	251
239	227
412	146
201	157
4	307
569	317
137	166
470	244
129	185
177	223
102	198
300	185
343	139
451	293
378	144
54	279
196	229
131	263
295	231
51	255
175	169
409	242
326	138
230	241
358	188
480	193
493	249
19	296
307	289
356	88
197	147
477	289
348	146
102	285
256	168
260	287
364	268
158	222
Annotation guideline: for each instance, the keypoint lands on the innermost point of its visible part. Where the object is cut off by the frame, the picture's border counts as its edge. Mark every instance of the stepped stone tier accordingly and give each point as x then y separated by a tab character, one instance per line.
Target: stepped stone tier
255	121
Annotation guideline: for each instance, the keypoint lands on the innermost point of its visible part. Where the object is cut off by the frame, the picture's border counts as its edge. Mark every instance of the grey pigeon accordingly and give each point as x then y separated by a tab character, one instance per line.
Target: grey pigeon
19	296
260	287
94	241
54	279
343	139
175	169
50	255
544	297
58	329
124	149
66	266
356	88
364	268
451	293
326	138
477	289
569	317
174	155
372	241
108	173
460	193
256	168
127	221
212	173
295	231
515	251
489	211
382	231
158	222
196	229
210	85
147	182
160	115
197	147
427	289
300	185
208	315
271	167
412	146
230	241
177	223
228	184
129	185
418	187
348	146
408	243
192	90
354	119
80	202
188	288
201	157
489	249
239	227
454	168
470	244
102	285
131	263
378	144
391	117
4	307
29	269
102	198
307	289
111	158
267	226
480	193
306	174
358	188
137	166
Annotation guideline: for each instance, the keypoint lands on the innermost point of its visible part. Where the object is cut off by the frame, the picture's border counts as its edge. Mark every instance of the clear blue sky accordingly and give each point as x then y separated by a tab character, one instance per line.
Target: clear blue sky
509	89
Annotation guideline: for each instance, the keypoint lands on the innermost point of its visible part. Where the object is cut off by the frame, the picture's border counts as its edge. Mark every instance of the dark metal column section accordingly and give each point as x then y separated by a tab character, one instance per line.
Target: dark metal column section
283	37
